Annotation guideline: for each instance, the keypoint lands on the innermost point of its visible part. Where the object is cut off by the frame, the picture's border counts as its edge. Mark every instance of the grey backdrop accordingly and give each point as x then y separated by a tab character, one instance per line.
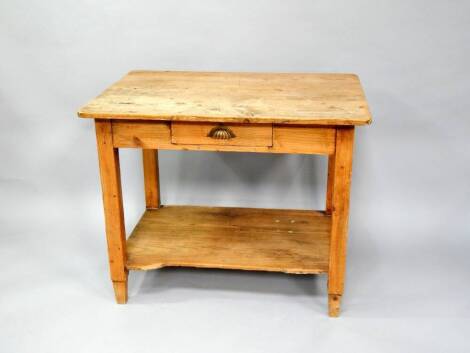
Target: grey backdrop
408	276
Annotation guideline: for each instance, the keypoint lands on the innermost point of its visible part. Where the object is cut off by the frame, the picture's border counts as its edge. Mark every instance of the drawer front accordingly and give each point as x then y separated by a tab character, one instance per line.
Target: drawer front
141	134
251	135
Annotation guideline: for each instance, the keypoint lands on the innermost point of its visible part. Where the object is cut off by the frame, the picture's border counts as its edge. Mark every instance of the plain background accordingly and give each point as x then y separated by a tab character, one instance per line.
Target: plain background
408	275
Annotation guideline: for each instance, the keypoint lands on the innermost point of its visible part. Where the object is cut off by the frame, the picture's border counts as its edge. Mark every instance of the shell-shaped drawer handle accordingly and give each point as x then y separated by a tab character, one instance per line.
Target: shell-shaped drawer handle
221	133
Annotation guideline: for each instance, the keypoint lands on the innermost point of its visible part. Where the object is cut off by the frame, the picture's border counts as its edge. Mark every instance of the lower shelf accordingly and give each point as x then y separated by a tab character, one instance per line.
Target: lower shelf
290	241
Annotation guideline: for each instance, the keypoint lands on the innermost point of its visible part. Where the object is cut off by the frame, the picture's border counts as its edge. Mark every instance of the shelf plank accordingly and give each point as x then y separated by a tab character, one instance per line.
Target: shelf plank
291	241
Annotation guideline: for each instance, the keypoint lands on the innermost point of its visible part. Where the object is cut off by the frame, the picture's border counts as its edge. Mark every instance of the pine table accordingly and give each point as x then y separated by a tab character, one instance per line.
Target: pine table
229	112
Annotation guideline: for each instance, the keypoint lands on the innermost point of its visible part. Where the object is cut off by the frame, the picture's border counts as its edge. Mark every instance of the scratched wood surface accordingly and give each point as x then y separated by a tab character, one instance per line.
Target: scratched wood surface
290	241
283	98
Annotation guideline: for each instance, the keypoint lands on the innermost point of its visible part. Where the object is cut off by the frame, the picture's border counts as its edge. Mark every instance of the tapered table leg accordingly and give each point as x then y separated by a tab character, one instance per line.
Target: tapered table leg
339	180
151	178
113	208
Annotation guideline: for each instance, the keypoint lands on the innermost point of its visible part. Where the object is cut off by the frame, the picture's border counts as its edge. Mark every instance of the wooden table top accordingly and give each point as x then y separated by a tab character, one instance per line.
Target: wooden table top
281	98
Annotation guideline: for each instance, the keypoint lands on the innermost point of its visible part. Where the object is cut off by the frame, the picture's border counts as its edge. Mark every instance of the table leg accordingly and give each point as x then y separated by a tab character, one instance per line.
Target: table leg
329	186
339	180
113	209
151	178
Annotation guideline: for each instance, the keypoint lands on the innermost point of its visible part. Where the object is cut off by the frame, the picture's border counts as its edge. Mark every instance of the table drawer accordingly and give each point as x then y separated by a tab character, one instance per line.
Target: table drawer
253	135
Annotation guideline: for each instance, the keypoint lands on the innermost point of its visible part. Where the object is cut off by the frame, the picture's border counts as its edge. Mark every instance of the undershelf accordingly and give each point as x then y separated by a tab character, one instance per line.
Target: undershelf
291	241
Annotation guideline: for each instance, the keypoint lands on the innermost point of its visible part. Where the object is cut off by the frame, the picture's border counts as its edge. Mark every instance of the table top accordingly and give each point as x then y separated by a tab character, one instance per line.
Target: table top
281	98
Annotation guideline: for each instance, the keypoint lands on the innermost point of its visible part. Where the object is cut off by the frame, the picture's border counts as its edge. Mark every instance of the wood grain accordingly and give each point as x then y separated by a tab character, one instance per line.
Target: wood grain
304	139
286	98
329	183
112	201
288	241
251	135
141	134
341	180
334	305
151	178
286	139
120	291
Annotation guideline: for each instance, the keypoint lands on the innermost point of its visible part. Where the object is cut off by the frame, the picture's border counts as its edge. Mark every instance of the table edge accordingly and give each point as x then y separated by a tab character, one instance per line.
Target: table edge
243	120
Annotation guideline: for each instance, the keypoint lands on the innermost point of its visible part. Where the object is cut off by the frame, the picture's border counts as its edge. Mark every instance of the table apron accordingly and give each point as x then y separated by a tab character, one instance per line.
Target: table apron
301	139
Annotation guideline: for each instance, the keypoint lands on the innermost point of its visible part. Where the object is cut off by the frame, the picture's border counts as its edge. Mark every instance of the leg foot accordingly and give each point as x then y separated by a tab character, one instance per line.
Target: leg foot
334	302
120	291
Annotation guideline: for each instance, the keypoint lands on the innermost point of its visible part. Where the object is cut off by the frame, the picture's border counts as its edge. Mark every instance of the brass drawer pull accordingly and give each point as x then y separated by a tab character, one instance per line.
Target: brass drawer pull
221	133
